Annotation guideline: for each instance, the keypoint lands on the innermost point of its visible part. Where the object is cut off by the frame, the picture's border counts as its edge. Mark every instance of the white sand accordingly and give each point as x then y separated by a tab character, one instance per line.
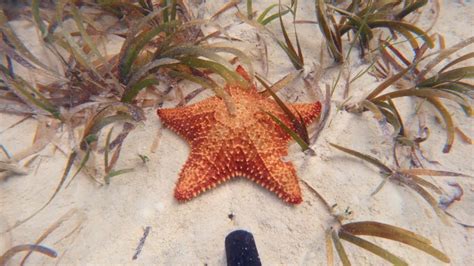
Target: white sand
111	218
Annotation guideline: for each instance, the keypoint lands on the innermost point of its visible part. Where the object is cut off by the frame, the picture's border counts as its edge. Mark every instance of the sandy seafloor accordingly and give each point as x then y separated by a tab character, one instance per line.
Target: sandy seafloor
110	220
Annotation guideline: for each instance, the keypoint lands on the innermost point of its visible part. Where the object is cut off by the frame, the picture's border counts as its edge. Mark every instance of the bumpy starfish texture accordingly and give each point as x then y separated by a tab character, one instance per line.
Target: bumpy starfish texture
248	144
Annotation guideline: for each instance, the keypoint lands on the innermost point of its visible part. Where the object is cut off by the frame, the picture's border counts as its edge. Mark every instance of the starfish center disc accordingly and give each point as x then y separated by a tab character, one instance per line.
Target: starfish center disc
247	113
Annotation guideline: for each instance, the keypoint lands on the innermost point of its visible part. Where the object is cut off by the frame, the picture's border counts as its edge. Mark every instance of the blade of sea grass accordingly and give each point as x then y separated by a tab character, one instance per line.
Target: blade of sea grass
142	71
227	6
463	136
457	60
430	172
420	181
249	9
78	19
381	185
116	112
356	22
59	12
37	18
407	26
13	54
460	89
451	75
104	121
364	157
79	55
448	120
260	27
303	144
394	233
377	229
280	84
191	50
410	39
362	72
280	103
48	231
139	42
411	7
463	97
428	198
393	119
28	94
262	19
95	122
329	249
209	84
231	77
241	55
375	110
174	4
67	42
297	122
375	249
340	248
165	7
424	93
130	93
294	4
82	163
206	83
107	148
127	127
69	164
388	82
265	12
296	58
28	247
329	35
396	113
116	173
135	28
391	60
18	44
444	54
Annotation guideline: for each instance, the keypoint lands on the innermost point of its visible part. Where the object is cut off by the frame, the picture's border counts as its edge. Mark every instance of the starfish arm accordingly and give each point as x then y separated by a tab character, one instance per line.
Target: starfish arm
191	122
204	169
267	168
277	176
198	175
308	111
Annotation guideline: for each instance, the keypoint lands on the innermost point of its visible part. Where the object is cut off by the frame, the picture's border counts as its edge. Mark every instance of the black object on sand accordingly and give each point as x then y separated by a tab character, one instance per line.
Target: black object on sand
241	250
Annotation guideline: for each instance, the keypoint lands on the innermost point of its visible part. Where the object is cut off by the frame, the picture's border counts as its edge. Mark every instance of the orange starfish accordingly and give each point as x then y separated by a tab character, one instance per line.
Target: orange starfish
248	144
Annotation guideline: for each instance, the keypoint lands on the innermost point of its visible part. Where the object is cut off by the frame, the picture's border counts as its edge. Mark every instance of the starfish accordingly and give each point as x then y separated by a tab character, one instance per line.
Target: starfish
246	144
